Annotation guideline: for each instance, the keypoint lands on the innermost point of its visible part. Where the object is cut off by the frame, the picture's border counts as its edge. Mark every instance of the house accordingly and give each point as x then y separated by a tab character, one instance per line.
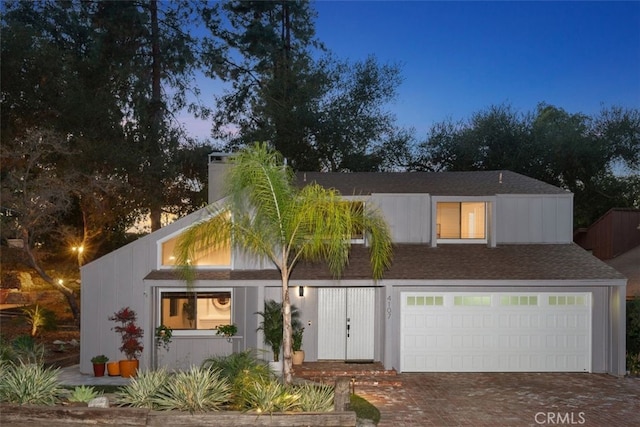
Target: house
615	239
485	277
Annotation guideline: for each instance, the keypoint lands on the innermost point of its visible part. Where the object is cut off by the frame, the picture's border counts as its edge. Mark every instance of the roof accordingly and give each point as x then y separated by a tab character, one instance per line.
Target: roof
629	265
446	262
476	183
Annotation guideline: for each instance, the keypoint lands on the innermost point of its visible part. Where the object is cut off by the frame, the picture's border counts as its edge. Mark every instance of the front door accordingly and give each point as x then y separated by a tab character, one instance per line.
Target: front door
346	324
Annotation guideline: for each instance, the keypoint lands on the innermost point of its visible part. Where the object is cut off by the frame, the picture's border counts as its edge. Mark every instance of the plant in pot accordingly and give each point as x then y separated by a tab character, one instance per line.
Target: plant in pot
227	331
99	364
272	328
131	335
296	345
163	336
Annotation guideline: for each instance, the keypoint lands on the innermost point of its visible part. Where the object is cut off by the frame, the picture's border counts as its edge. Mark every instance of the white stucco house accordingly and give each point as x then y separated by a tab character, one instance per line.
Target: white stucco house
485	277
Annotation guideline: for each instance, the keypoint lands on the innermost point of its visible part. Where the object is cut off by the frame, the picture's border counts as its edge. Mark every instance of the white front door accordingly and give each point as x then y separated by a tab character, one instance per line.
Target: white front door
495	332
346	323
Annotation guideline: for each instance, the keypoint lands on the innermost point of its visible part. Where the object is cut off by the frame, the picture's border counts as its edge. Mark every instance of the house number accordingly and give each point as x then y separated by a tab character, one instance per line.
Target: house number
389	307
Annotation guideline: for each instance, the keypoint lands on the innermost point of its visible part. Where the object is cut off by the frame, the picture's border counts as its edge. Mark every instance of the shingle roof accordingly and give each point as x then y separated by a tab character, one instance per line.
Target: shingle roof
477	183
446	262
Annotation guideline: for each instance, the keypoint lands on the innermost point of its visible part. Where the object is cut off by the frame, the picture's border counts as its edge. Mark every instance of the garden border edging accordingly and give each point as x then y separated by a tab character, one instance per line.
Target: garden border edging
54	416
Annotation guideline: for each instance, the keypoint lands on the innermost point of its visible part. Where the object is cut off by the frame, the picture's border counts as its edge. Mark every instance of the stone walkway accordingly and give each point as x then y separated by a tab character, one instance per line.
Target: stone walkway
507	399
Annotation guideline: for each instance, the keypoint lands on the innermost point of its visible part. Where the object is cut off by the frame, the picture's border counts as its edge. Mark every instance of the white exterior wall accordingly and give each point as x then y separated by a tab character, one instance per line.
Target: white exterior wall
408	216
114	281
534	218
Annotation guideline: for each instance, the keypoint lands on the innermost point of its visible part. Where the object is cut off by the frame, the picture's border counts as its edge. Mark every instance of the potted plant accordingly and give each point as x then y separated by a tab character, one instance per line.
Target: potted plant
227	330
296	345
163	336
131	335
99	364
272	328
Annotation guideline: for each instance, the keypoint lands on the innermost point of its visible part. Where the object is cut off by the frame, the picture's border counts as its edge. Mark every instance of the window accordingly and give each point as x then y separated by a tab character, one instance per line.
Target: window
201	310
567	300
215	257
519	300
425	300
472	300
461	220
357	233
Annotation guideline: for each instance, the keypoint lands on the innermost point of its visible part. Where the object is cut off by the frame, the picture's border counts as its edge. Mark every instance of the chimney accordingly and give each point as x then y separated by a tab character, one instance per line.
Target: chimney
218	165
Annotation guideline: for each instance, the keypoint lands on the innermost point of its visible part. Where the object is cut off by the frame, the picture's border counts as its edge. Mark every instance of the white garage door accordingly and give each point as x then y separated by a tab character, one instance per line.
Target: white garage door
495	332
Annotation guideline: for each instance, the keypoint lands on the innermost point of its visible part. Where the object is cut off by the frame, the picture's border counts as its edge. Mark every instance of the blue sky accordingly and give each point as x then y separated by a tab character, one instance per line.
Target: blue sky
458	58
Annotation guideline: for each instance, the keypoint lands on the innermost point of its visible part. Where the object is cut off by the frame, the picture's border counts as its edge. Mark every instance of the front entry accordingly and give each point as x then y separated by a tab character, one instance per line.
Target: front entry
346	324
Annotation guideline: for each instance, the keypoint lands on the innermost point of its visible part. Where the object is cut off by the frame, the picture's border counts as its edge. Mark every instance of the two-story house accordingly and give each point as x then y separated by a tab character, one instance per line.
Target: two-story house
485	277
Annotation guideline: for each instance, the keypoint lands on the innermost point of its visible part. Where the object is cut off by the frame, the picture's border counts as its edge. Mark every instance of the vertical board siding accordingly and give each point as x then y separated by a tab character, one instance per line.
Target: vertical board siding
332	328
361	320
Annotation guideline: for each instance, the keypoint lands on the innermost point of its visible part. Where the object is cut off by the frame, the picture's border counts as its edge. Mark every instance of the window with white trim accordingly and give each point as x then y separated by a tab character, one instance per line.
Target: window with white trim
461	221
196	310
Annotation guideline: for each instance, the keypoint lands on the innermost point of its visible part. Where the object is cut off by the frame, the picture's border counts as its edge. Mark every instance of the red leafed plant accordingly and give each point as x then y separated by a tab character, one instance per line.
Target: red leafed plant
130	332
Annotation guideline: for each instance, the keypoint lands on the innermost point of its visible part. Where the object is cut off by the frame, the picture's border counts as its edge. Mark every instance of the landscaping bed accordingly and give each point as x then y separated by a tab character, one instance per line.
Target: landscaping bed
54	416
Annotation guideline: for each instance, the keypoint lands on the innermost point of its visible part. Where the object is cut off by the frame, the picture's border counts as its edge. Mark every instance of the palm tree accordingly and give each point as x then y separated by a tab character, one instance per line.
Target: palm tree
267	215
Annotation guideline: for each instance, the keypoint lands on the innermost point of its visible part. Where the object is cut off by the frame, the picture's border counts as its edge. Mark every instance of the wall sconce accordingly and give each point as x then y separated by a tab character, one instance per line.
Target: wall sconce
301	291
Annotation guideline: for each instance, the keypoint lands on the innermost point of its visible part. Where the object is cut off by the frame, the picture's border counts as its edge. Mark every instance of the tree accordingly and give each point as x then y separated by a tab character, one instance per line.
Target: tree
274	83
36	194
352	126
269	217
319	112
590	156
495	138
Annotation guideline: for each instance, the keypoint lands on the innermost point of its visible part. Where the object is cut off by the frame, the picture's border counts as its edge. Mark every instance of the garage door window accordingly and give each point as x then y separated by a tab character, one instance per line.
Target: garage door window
465	300
566	300
519	300
428	300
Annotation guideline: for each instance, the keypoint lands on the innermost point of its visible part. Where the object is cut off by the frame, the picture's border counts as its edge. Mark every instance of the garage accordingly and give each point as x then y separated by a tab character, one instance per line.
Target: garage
495	332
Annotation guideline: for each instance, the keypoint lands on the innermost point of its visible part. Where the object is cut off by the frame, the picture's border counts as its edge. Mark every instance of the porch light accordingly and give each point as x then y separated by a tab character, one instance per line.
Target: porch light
301	291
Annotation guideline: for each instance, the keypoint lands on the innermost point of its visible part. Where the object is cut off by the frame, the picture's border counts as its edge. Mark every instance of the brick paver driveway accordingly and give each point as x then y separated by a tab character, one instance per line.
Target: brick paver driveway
507	399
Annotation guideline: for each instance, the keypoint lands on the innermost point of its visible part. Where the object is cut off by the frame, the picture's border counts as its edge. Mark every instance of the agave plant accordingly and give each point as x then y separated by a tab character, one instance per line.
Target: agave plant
83	394
29	384
142	389
270	396
315	397
196	390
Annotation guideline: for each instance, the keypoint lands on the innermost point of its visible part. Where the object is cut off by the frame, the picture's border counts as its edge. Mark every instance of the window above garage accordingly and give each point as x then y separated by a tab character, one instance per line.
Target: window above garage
461	222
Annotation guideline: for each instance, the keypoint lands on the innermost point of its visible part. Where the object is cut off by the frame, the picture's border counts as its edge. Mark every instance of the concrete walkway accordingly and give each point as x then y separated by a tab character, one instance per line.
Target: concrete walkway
71	376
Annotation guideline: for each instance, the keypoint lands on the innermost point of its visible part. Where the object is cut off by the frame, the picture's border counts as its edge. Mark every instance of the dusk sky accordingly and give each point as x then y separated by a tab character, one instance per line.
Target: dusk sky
458	58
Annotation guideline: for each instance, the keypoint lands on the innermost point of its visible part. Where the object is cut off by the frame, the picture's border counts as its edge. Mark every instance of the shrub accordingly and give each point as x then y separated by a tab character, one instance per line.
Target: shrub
270	396
29	384
83	394
364	409
633	363
196	390
140	392
27	350
130	333
7	353
315	397
633	325
241	370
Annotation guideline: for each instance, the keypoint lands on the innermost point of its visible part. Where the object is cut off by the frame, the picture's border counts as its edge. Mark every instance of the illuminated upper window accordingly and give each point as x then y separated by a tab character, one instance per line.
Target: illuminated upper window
461	220
213	257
